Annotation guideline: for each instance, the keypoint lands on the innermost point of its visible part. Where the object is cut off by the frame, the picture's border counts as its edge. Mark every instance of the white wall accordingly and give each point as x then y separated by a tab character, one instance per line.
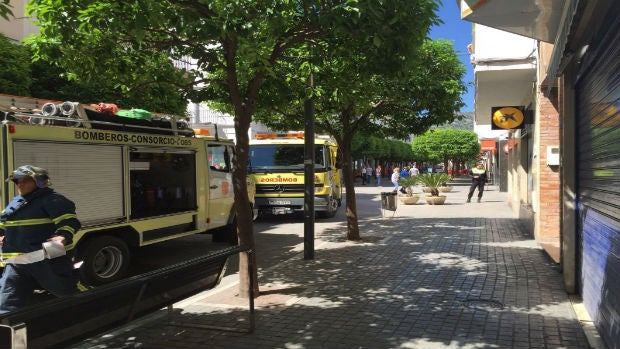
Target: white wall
19	27
492	44
485	132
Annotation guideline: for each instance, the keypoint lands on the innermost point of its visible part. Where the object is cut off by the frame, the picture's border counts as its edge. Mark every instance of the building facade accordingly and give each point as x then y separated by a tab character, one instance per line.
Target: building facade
506	69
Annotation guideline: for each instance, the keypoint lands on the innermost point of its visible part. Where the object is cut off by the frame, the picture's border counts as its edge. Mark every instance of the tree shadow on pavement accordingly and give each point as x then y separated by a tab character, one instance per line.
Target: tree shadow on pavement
410	283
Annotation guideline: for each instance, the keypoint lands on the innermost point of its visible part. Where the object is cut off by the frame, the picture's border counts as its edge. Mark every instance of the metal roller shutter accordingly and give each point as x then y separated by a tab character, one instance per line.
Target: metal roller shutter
89	175
598	178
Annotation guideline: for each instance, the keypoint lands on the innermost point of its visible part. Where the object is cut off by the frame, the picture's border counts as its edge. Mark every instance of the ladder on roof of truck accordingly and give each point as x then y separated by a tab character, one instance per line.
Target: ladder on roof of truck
27	108
72	114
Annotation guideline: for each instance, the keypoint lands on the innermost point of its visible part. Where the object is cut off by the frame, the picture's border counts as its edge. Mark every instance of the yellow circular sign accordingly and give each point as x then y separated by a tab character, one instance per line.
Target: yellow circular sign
508	118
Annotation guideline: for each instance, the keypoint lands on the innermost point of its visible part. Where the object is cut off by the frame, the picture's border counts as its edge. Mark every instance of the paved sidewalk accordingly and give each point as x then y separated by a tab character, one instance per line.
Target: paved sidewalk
452	276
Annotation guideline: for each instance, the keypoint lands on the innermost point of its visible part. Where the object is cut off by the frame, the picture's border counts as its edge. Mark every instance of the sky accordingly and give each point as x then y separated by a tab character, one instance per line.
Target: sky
459	32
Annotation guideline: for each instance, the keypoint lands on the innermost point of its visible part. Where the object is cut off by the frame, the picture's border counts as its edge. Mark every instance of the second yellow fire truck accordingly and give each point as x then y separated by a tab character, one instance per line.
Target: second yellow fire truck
277	167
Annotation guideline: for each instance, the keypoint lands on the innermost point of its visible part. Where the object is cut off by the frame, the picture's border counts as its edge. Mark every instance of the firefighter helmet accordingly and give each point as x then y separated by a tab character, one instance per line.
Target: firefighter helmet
38	174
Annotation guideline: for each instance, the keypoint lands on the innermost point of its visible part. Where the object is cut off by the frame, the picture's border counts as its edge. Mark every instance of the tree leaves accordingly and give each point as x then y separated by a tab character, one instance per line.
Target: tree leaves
5	9
14	68
446	145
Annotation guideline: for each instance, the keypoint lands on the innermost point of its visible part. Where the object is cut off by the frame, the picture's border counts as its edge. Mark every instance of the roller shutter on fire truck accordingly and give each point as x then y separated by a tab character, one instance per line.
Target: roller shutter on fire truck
81	172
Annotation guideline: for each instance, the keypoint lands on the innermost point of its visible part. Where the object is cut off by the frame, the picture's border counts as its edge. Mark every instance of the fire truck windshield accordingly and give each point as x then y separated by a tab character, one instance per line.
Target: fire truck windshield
283	157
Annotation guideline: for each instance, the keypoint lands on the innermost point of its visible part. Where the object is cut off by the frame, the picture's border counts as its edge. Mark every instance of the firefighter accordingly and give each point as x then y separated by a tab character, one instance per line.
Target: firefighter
34	228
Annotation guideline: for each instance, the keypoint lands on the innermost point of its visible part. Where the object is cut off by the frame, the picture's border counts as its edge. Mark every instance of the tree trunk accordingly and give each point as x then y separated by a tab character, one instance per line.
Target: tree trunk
353	231
245	224
244	106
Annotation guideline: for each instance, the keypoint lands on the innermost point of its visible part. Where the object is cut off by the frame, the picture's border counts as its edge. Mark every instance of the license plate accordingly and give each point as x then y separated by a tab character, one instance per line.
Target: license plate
279	202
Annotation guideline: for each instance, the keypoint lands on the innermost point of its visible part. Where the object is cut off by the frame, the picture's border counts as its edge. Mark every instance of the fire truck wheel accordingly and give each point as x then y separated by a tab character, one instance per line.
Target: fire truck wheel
105	259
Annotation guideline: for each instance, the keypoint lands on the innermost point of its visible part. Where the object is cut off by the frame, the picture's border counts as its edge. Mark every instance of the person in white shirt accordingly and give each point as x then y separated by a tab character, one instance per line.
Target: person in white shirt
395	178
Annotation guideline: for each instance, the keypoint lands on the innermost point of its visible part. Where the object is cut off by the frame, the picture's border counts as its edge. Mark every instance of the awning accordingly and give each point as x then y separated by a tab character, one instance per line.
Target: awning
488	145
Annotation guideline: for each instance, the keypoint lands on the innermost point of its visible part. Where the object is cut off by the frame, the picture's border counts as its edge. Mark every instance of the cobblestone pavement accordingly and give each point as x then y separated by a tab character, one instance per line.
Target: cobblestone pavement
452	276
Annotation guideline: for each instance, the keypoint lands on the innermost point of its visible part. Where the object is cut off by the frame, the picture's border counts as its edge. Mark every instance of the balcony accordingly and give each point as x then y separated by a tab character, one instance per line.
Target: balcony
536	19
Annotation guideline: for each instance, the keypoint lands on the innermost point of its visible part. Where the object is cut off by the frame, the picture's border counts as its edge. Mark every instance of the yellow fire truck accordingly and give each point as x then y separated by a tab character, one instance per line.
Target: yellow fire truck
134	182
277	167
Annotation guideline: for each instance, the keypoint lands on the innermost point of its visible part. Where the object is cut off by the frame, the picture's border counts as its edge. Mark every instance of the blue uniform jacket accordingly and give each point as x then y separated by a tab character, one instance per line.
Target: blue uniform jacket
30	220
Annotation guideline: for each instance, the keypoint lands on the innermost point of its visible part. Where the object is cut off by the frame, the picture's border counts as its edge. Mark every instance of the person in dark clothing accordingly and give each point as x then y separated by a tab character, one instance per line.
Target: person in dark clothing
478	180
34	228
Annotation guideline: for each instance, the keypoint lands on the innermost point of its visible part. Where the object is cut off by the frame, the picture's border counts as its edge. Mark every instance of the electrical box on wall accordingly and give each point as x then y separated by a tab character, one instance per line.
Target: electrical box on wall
553	155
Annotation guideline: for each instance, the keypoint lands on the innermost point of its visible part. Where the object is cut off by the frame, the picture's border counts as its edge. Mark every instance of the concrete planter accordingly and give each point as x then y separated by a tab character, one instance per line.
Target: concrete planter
409	200
436	200
445	189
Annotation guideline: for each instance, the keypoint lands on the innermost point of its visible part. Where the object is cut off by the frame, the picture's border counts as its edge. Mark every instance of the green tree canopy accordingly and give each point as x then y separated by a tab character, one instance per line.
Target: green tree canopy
379	148
14	68
411	97
50	81
22	77
364	146
446	145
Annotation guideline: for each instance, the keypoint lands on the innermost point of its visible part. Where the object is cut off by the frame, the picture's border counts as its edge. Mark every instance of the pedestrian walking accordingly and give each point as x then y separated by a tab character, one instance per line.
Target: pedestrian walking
34	228
478	180
363	174
404	172
369	172
378	173
395	178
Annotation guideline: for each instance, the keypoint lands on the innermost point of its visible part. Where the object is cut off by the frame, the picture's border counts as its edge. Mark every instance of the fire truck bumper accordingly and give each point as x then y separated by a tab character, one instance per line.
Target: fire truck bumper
288	205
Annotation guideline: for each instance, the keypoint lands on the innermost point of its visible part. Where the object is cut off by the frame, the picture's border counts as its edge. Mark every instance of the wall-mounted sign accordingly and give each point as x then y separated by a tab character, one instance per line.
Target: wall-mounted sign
507	118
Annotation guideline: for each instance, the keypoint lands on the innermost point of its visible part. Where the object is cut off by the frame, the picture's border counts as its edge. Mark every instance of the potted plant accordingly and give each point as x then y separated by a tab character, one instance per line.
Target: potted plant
444	187
433	181
409	198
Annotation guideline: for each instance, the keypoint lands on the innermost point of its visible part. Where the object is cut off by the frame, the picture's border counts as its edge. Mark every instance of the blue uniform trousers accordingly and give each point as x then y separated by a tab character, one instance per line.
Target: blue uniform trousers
20	280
